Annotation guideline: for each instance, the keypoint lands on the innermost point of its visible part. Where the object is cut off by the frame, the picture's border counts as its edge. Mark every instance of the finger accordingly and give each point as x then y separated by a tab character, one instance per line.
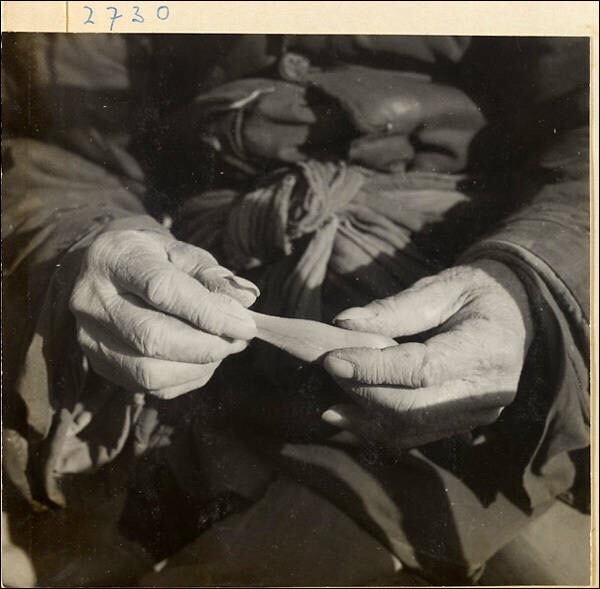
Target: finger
372	429
462	403
405	365
120	364
346	416
203	267
220	280
426	305
470	350
168	289
156	335
167	393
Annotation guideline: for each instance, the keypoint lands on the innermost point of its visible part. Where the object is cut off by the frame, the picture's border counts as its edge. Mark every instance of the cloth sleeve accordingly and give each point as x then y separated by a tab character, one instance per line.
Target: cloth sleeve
546	242
69	173
547	245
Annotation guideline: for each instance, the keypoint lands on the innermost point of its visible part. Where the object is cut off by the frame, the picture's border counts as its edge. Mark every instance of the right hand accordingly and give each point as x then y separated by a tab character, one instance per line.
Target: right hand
158	315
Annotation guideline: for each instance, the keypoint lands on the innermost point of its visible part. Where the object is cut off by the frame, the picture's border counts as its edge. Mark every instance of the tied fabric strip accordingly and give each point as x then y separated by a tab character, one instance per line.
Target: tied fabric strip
268	221
323	223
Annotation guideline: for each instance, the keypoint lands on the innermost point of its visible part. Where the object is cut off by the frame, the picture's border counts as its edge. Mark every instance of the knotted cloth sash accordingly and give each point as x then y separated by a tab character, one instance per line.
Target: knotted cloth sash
321	236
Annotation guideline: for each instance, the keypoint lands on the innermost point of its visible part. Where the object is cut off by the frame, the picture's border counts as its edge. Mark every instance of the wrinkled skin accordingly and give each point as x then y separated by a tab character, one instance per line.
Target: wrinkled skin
461	377
158	315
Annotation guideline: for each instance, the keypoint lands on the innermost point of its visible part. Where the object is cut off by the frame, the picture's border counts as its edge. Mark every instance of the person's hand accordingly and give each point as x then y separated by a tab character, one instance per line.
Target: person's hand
158	315
461	377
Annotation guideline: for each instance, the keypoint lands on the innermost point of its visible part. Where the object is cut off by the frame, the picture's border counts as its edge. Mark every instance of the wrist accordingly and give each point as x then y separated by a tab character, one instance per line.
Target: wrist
135	222
503	277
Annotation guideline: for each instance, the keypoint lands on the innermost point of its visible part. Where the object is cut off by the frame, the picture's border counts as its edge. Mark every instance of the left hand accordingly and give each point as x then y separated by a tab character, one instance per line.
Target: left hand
460	378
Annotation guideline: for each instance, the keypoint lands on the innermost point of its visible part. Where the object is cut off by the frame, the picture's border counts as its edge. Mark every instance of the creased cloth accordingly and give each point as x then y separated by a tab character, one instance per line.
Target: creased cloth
321	218
107	162
320	237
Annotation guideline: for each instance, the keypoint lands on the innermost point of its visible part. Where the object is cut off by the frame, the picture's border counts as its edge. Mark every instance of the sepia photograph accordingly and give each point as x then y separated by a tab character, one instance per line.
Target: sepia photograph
295	309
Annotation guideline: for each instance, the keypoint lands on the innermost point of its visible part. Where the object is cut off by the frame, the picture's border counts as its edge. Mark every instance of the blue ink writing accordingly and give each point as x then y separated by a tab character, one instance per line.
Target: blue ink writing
137	14
88	20
133	12
164	11
114	17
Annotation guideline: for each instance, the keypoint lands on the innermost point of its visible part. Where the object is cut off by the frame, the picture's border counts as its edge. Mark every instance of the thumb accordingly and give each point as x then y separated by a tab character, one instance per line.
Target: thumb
354	419
424	306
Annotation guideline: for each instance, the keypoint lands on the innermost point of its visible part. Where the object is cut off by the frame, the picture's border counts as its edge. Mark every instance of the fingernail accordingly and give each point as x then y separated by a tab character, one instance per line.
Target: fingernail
243	284
333	418
245	327
221	280
338	367
355	313
218	271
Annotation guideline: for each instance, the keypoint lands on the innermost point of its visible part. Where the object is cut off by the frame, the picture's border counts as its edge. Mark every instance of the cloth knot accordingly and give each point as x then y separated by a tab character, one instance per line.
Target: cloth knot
289	206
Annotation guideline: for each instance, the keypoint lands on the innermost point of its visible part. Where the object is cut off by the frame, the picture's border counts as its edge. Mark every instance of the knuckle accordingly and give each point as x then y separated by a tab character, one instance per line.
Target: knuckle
158	289
428	374
190	258
207	353
145	375
215	353
113	249
107	245
149	340
422	368
85	292
209	315
383	307
424	378
99	247
383	371
204	259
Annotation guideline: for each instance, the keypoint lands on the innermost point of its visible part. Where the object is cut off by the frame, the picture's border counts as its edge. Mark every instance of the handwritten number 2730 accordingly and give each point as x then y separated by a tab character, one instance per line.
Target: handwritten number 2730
162	13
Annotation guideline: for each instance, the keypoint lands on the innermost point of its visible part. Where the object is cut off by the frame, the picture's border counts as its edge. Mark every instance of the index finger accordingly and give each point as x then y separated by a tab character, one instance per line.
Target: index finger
469	349
160	284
